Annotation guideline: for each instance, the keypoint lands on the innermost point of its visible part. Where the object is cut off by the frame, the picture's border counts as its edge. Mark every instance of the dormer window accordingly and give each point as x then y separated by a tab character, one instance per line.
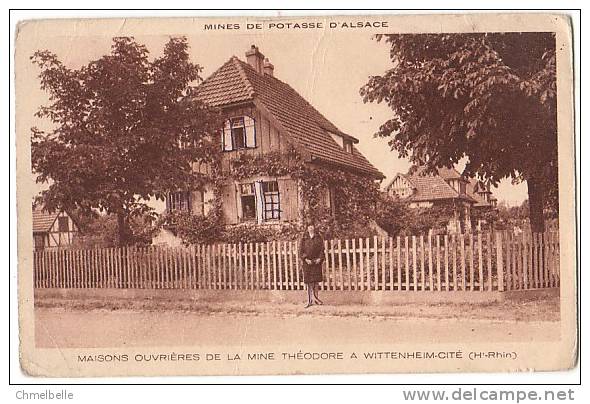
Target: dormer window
347	146
239	133
462	188
342	141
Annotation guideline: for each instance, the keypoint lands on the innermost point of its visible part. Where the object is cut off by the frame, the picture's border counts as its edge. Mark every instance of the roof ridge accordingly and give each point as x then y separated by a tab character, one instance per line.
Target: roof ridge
243	75
237	81
440	179
407	178
213	74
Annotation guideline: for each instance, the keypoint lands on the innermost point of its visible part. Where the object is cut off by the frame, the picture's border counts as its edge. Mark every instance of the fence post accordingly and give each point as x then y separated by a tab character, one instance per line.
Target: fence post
430	278
375	263
398	252
480	261
471	263
361	272
390	263
422	268
340	270
499	261
462	253
368	267
414	264
383	262
348	264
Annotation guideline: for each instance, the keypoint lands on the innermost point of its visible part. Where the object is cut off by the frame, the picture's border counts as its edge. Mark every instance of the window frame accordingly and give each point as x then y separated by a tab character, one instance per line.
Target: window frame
347	146
249	194
249	135
275	205
179	201
60	221
462	187
39	241
267	200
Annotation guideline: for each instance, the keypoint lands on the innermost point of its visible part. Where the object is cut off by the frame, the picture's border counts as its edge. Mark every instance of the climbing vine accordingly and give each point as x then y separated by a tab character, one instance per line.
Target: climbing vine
355	199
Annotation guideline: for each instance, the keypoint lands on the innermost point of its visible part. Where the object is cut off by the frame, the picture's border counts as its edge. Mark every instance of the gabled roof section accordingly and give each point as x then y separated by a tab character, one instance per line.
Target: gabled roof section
402	177
430	188
227	85
472	190
43	220
450	174
236	81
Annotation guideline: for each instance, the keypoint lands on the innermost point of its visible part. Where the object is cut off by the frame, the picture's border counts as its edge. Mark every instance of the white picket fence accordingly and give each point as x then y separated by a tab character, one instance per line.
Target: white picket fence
496	261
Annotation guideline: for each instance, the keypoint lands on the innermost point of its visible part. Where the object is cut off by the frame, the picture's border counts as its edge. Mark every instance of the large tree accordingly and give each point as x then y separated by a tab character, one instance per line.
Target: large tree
488	97
122	130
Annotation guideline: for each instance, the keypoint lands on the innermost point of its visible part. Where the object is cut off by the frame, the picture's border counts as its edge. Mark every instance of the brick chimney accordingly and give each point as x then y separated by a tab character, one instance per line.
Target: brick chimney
268	67
255	59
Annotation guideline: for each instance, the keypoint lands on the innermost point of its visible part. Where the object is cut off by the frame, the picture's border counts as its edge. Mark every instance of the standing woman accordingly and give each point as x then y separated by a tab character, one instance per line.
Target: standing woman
311	251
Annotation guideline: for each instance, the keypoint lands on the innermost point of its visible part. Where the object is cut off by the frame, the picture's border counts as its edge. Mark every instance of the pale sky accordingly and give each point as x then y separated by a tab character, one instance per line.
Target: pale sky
326	68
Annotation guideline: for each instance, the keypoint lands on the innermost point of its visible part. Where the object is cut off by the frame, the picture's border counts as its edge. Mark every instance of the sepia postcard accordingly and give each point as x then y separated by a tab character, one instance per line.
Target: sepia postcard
296	195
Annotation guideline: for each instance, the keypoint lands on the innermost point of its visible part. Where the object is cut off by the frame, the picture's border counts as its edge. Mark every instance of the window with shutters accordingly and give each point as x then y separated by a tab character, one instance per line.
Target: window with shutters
239	133
272	200
260	201
178	201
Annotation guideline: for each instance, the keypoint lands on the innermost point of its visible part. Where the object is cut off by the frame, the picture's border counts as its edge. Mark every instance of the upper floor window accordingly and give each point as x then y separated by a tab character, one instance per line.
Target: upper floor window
178	201
462	187
239	133
63	224
348	146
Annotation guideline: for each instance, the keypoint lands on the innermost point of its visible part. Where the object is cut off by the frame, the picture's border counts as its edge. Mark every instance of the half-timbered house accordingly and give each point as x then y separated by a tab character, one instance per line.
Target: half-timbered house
52	229
464	196
264	115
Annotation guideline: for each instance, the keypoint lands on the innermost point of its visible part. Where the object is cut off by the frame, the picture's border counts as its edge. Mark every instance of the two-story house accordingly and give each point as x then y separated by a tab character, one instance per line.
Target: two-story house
265	115
464	196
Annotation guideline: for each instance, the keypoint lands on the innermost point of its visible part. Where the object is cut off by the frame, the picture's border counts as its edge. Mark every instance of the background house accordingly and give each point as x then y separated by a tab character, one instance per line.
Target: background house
51	230
466	198
264	116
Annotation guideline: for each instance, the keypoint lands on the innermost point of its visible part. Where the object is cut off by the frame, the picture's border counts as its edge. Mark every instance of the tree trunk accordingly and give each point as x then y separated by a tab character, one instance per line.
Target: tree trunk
536	189
122	229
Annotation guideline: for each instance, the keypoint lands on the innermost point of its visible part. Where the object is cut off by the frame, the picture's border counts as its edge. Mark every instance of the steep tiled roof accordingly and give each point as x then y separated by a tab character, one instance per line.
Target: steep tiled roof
227	85
449	173
472	188
431	187
42	220
236	81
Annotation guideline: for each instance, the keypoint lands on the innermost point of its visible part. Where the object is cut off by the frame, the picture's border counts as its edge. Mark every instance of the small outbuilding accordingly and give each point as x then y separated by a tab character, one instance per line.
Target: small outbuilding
52	229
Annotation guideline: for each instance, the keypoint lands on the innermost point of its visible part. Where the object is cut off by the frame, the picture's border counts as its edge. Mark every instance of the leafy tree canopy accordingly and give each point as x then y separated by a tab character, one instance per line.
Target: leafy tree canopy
490	97
124	130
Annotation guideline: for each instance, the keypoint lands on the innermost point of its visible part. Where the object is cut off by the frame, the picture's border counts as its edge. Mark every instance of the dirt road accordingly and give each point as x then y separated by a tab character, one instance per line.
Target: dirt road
72	328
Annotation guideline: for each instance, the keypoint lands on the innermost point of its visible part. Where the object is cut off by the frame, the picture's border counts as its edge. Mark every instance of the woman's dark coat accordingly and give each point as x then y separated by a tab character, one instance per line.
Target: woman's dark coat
311	248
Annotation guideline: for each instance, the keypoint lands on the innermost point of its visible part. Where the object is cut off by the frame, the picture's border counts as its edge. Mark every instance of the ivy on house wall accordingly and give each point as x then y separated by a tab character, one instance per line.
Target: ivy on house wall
359	209
355	201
